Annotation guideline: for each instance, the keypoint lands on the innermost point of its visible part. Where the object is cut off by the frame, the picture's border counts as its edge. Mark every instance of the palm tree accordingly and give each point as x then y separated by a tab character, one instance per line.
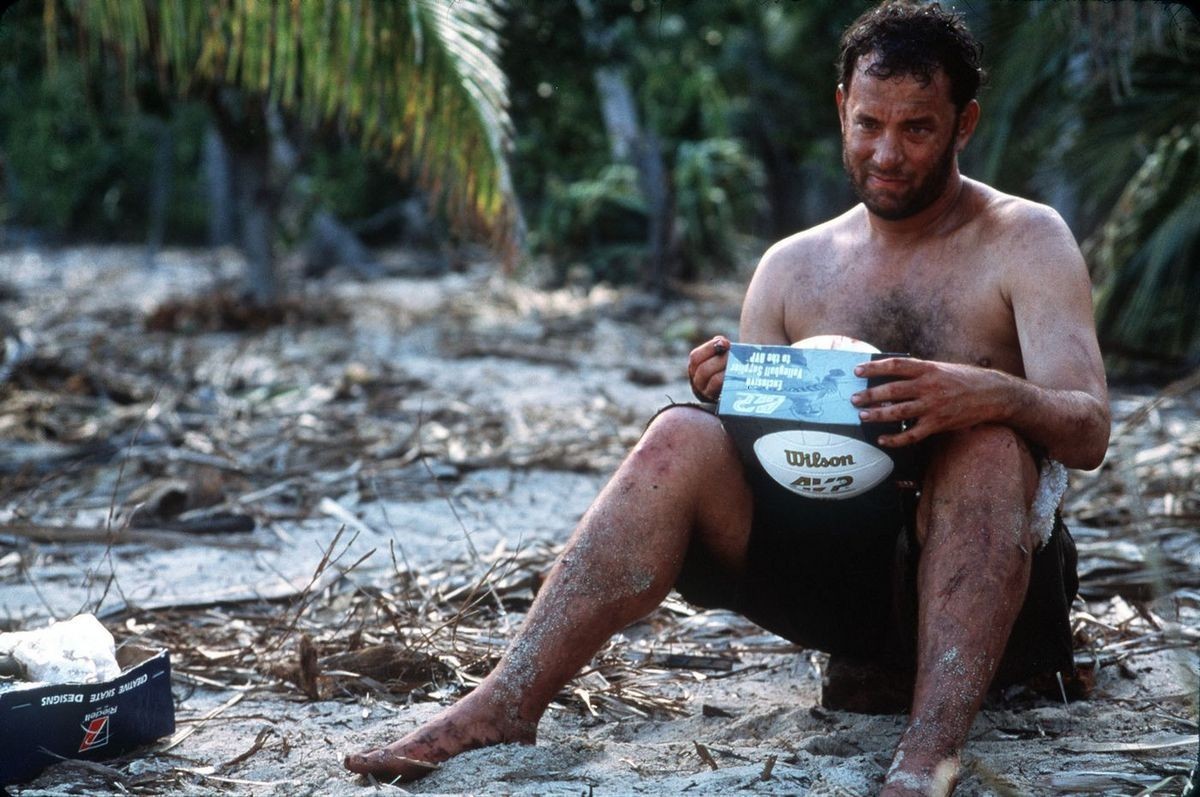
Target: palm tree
1093	108
415	79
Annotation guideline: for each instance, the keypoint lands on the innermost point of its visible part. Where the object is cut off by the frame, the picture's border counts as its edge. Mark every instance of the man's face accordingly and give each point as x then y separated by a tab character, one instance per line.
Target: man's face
899	140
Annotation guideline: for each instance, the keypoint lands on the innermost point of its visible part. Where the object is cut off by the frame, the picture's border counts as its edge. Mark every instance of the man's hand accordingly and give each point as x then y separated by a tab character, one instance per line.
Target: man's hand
933	397
706	368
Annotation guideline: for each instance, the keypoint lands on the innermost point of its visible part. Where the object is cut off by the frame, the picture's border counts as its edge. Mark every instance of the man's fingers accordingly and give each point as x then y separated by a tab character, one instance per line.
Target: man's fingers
712	388
900	390
906	438
705	361
712	348
708	389
891	366
709	377
899	411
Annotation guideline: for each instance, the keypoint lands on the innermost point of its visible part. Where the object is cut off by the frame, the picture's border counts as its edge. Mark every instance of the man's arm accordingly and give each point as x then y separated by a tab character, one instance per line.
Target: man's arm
1062	403
763	310
761	322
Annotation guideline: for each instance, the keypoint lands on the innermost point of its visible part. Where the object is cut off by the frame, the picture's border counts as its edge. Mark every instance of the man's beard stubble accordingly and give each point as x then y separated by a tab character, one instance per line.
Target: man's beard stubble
923	195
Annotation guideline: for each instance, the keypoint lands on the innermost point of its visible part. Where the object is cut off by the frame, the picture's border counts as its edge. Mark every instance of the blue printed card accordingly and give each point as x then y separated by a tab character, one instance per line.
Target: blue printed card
787	384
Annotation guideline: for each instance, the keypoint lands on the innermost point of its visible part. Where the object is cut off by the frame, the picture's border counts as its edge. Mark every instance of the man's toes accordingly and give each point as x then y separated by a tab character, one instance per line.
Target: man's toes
363	762
385	763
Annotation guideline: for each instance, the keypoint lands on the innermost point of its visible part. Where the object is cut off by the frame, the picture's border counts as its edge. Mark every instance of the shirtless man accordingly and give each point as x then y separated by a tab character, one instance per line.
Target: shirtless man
991	296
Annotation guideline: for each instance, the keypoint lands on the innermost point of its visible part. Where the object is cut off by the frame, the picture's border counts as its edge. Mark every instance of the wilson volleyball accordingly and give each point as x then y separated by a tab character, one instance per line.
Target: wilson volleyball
819	464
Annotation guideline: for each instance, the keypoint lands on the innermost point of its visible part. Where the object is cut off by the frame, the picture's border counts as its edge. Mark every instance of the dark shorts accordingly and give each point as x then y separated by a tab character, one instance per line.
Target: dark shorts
841	576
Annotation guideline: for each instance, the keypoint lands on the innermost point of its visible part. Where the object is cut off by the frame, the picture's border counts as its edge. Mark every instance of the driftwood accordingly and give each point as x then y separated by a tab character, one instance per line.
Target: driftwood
162	537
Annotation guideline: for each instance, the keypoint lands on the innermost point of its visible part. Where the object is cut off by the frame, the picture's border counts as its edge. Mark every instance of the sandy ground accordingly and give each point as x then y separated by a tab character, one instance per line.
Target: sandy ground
761	723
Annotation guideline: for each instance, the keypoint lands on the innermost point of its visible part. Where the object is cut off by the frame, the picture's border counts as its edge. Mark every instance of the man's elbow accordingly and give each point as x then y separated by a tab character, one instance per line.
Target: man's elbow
1088	458
1088	449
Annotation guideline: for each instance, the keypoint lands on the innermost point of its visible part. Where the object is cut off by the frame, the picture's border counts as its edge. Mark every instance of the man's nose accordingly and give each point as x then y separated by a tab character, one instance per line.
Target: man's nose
888	152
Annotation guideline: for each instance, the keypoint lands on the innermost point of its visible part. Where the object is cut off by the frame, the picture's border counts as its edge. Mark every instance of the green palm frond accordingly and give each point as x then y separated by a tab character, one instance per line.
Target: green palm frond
1115	137
1145	255
1025	88
417	79
1090	100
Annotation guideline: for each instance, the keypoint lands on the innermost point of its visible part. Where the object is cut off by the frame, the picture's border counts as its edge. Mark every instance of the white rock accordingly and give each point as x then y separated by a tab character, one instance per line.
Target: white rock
79	650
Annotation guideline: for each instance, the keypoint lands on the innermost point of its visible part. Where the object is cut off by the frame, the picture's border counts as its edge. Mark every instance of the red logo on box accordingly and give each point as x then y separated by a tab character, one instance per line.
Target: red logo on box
95	734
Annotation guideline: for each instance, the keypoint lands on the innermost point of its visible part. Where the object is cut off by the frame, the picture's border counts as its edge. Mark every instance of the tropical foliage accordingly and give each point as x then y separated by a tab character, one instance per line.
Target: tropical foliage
1091	107
417	80
737	92
1147	255
1094	110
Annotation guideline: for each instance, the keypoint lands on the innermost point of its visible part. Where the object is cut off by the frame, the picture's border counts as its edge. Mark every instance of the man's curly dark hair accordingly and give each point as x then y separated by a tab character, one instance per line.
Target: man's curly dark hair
914	39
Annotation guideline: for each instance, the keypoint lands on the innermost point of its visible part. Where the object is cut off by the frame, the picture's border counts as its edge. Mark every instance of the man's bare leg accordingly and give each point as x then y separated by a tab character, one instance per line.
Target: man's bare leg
976	553
682	479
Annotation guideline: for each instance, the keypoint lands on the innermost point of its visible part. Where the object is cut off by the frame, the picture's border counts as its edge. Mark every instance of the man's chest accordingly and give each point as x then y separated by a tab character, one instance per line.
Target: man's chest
954	315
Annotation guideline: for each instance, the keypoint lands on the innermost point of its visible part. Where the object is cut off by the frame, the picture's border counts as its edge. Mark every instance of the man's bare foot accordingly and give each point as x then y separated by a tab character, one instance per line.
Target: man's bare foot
467	725
915	780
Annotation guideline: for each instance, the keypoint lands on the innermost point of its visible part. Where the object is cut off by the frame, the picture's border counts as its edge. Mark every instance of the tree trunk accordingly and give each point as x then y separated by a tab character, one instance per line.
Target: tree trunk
218	182
242	125
160	187
629	142
331	243
256	213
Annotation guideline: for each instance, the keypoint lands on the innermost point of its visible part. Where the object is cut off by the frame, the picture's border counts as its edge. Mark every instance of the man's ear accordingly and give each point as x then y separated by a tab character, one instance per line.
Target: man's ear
839	97
967	120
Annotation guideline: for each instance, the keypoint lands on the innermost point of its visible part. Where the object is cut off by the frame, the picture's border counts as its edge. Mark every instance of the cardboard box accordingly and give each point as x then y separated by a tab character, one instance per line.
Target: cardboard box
774	388
40	726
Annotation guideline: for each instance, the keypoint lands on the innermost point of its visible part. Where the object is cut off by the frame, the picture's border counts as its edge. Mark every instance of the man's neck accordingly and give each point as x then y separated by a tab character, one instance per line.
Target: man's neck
941	216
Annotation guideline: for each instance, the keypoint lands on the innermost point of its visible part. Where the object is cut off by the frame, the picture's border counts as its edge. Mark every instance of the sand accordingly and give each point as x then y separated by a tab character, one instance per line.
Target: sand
761	725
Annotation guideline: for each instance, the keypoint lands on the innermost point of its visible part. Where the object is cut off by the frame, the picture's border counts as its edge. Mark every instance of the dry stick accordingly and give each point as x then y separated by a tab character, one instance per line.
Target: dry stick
307	599
453	621
112	506
317	573
705	756
259	743
393	614
339	513
1177	388
470	603
179	736
36	589
28	495
1141	519
238	781
394	544
454	510
114	775
162	538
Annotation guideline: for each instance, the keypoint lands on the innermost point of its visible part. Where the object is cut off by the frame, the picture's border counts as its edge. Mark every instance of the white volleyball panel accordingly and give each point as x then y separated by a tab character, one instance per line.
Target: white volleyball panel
819	464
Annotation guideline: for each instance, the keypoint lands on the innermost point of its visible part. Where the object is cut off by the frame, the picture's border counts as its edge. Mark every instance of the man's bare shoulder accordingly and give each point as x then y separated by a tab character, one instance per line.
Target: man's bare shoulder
1018	222
1033	243
814	244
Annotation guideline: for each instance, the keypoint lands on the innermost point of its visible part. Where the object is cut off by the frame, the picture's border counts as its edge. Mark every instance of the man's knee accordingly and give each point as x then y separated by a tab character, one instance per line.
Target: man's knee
983	454
986	471
683	436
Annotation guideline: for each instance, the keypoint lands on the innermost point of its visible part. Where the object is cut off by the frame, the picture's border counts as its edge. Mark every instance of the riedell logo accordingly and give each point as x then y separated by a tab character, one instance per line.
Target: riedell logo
805	459
95	733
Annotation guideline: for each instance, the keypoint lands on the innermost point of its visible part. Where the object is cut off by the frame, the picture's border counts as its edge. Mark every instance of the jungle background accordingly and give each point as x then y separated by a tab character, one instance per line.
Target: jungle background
323	321
643	141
